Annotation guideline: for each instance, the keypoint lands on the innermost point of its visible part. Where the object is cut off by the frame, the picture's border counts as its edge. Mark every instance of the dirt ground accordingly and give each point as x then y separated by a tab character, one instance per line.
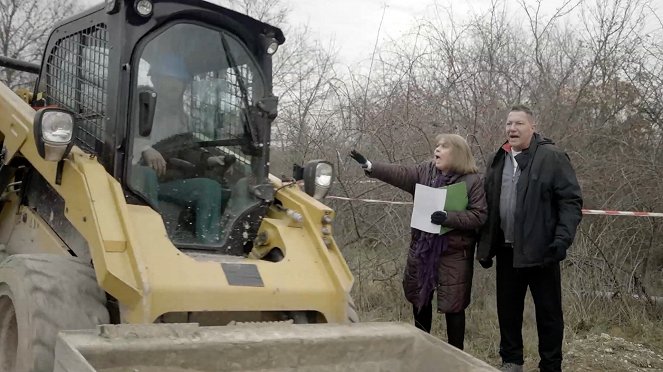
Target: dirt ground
607	353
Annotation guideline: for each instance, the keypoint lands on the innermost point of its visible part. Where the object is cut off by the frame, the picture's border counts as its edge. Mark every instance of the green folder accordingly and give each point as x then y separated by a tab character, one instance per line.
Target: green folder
456	200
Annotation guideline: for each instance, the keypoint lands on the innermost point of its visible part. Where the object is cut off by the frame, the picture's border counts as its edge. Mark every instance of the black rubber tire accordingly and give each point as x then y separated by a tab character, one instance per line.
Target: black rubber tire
40	295
353	317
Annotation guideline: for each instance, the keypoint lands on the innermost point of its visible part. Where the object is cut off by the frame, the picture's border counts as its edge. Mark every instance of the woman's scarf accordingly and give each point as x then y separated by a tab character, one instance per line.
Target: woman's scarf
428	250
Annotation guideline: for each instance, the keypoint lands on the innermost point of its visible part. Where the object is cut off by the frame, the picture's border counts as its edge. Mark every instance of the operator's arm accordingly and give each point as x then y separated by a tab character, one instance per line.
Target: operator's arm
155	160
143	152
140	144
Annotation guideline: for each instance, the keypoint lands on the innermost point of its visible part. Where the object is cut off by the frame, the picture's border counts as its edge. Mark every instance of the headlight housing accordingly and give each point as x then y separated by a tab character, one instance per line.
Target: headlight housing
144	8
54	132
272	46
112	6
318	178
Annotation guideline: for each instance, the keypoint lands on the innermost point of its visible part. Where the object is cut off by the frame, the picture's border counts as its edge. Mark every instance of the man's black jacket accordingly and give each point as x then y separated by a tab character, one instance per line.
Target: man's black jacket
548	205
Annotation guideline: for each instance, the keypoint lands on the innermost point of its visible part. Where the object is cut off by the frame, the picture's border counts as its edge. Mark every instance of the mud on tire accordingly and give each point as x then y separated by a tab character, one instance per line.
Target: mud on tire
39	296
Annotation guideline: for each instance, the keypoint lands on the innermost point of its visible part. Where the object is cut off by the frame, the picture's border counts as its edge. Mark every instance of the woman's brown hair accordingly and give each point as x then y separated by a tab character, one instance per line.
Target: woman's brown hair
462	160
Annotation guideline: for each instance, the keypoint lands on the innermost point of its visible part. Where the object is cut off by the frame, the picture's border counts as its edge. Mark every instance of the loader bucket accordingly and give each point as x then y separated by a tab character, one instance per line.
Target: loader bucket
257	347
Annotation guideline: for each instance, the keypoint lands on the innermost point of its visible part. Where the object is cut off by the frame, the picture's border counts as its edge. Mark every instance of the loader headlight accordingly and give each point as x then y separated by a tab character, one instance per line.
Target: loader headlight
112	6
272	46
318	177
143	7
54	131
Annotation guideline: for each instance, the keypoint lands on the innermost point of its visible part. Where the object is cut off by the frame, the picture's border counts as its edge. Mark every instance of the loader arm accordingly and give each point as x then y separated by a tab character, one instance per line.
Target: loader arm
83	177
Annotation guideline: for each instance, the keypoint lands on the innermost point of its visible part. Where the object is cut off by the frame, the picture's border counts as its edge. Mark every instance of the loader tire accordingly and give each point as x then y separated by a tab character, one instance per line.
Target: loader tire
353	317
40	295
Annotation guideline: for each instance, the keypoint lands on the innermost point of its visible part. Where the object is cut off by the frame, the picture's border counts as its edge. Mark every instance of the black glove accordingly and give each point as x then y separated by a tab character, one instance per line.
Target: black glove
486	263
556	252
438	217
229	159
359	158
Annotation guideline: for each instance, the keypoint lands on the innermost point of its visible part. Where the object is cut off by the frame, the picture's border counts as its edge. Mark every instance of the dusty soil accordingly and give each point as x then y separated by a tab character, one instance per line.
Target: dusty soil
607	353
147	369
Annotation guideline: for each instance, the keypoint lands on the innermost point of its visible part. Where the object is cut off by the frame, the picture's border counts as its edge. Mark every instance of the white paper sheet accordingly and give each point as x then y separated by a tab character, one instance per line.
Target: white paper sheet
426	201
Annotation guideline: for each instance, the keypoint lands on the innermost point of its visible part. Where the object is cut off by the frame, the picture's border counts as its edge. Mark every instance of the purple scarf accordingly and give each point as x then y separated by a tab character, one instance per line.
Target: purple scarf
428	249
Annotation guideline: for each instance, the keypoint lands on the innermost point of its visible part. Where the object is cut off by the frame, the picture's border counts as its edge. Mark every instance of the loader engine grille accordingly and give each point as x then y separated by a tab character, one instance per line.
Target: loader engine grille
76	79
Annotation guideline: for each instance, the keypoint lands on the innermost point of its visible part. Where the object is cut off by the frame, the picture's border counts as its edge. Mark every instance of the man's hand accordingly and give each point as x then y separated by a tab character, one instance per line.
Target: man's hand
359	158
438	217
555	253
486	263
155	160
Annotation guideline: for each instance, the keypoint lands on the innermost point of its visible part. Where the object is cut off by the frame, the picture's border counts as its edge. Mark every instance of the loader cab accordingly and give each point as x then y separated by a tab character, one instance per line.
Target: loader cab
175	100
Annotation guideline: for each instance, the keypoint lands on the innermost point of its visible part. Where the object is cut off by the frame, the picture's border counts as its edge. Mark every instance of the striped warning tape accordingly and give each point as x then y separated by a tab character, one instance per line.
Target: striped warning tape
621	213
584	211
368	200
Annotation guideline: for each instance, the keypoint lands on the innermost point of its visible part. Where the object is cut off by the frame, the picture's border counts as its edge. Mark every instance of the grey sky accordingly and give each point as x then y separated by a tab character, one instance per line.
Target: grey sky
352	25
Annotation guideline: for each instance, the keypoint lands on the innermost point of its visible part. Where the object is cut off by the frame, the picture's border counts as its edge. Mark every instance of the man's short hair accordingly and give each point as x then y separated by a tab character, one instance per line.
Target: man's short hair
523	108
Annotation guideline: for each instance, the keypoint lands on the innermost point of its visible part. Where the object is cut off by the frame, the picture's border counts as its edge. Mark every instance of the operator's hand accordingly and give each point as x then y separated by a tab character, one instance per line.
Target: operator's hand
226	160
155	160
359	158
229	159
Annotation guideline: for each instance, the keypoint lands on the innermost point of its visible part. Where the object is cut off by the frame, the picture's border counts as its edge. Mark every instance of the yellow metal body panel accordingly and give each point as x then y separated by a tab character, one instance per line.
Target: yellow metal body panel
137	263
16	118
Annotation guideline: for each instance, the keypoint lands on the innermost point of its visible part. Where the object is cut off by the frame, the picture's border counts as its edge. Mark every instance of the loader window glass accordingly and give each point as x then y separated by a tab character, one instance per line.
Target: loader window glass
191	165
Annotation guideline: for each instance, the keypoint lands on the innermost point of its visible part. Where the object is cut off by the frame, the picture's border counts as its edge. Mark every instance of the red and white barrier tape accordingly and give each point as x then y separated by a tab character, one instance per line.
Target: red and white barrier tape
368	200
584	211
621	213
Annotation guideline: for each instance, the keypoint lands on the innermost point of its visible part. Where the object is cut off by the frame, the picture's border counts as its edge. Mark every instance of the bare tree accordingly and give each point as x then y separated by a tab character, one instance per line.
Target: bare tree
593	75
590	70
24	28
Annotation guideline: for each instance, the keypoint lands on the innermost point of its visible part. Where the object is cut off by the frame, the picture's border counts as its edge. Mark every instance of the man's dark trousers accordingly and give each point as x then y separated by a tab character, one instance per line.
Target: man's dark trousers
545	285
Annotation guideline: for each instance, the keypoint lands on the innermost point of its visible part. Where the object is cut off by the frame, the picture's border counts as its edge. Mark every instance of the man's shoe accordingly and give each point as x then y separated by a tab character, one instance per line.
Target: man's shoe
511	367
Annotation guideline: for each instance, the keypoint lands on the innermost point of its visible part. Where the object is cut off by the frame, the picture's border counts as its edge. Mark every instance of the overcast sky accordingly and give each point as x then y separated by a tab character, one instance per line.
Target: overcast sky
353	25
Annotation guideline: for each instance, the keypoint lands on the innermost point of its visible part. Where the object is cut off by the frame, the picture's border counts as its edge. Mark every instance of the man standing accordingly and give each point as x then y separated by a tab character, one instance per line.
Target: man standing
534	207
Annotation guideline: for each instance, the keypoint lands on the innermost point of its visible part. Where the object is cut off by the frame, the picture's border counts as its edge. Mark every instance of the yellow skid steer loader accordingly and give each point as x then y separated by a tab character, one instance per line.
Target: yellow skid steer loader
140	229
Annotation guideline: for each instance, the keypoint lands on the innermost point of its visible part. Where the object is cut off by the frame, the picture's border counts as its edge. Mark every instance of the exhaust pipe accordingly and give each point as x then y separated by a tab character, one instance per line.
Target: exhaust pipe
19	65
